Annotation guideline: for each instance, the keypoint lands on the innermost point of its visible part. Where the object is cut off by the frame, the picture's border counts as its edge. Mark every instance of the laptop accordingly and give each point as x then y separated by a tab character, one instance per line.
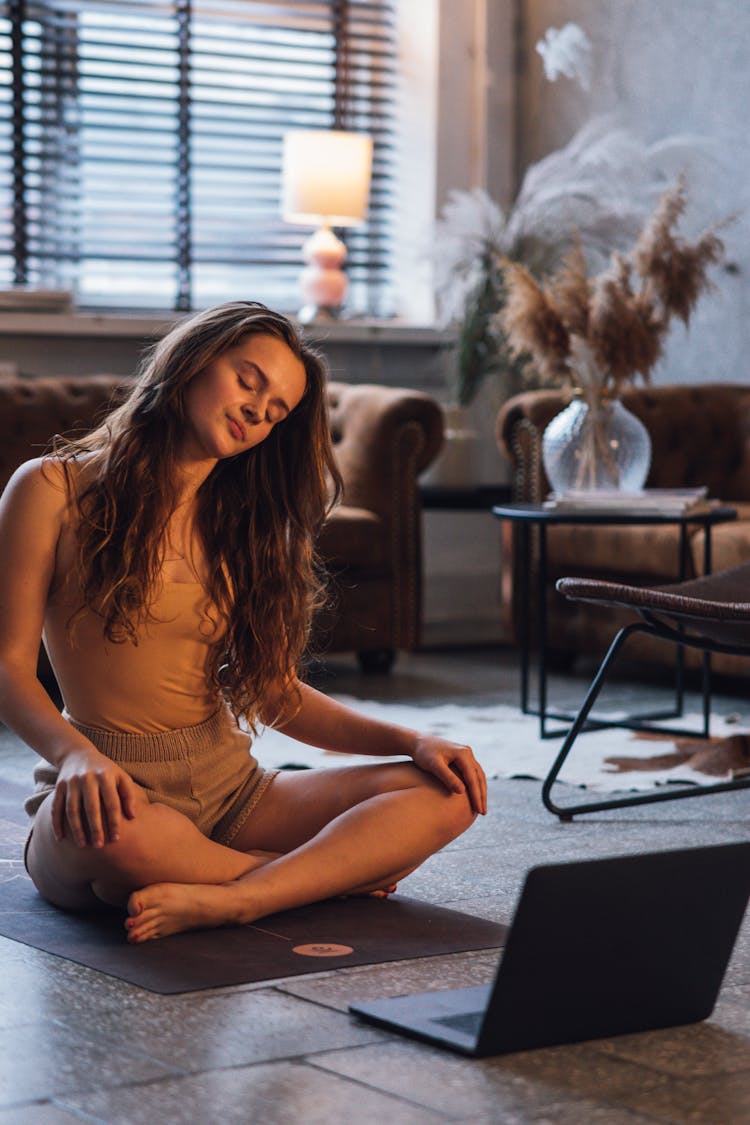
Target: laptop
596	948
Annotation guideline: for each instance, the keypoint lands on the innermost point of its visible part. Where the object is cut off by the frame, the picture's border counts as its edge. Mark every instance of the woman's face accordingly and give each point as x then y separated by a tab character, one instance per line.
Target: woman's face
235	402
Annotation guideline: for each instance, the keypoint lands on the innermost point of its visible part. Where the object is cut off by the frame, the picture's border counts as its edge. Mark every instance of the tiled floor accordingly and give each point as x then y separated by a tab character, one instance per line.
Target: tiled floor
79	1046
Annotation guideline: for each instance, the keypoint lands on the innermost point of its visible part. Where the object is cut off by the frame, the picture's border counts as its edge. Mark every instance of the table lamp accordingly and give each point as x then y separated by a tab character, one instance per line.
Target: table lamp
326	181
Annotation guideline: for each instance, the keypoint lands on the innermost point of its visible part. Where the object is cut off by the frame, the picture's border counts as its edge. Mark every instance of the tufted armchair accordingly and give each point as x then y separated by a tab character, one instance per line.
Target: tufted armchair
384	437
700	436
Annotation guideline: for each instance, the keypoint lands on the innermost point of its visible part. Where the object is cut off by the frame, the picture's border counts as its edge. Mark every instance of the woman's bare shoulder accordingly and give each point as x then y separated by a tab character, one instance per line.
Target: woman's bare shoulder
33	512
39	471
45	483
58	475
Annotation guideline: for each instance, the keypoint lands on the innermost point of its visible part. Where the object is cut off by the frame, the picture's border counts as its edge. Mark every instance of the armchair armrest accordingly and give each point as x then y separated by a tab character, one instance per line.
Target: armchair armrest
520	425
383	437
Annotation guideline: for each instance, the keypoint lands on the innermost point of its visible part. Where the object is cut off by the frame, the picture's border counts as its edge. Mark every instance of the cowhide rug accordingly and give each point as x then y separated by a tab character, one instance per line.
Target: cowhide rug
508	745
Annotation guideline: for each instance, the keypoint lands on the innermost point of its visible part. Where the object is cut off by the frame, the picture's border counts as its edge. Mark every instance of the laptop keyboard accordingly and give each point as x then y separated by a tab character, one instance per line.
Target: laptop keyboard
469	1022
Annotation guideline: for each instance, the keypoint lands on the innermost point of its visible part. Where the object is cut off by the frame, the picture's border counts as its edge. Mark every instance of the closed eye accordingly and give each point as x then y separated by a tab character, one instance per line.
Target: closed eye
278	409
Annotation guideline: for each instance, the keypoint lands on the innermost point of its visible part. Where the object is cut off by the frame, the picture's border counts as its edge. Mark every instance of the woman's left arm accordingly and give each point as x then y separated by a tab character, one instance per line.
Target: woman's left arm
324	722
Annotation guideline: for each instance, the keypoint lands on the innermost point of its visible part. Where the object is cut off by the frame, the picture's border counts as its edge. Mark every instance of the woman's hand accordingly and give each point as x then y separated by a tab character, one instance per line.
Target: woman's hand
91	797
454	765
331	725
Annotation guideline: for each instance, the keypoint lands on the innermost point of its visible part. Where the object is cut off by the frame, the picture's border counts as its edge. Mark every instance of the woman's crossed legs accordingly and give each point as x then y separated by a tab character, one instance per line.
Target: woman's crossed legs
314	834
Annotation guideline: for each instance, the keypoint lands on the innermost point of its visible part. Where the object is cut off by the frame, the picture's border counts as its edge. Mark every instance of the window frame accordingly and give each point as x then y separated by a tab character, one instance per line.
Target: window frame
371	262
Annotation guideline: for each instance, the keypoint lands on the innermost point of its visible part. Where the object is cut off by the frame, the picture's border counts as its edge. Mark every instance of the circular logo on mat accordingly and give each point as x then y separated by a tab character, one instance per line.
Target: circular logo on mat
320	949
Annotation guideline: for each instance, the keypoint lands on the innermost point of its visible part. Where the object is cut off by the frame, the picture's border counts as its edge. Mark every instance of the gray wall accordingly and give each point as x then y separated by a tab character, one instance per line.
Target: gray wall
667	66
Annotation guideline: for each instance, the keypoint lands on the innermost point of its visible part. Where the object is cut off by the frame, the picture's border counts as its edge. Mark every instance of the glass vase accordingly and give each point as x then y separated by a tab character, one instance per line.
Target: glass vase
596	443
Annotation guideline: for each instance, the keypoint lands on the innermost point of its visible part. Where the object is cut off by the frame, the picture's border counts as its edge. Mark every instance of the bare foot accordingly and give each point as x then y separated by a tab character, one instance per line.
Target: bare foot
383	892
376	892
162	909
169	908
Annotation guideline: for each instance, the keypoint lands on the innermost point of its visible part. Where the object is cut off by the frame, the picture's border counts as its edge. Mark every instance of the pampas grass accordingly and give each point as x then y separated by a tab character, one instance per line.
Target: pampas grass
593	194
676	270
618	319
533	324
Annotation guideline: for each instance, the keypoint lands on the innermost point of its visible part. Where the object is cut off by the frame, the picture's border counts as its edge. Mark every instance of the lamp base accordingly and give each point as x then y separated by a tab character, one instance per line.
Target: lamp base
323	283
309	313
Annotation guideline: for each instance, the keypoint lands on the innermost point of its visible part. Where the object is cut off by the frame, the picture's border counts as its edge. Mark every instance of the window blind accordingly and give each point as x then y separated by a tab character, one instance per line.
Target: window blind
140	144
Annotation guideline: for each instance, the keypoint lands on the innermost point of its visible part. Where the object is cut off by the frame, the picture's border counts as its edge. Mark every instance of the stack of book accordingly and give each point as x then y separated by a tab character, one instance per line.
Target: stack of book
647	501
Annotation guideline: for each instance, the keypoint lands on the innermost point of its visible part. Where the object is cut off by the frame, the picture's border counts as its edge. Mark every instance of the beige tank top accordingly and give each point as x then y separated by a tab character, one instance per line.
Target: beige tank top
161	683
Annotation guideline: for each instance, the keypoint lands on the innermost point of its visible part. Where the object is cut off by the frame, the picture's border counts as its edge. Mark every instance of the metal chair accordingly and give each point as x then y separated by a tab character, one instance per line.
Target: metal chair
711	614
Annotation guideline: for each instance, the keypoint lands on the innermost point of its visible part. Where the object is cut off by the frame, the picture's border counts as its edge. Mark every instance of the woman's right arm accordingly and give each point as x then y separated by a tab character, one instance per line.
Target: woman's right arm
92	794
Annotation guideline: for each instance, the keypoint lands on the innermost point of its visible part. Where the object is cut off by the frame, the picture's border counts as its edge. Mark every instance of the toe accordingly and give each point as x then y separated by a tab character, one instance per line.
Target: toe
135	906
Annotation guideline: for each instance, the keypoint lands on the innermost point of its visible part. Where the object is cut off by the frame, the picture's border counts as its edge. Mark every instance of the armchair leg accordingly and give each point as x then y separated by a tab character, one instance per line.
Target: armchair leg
376	661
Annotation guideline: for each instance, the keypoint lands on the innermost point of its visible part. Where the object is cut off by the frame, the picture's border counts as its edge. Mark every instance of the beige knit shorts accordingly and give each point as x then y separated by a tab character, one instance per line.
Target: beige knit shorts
206	771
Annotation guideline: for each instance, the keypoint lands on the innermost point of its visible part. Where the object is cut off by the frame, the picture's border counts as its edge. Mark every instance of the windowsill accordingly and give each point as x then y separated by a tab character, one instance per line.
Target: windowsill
355	331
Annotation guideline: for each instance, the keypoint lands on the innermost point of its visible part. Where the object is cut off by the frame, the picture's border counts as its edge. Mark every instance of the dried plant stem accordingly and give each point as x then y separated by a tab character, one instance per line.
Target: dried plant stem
595	448
607	331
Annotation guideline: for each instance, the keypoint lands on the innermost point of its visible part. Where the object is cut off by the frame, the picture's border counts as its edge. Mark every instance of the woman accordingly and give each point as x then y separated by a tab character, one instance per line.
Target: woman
168	560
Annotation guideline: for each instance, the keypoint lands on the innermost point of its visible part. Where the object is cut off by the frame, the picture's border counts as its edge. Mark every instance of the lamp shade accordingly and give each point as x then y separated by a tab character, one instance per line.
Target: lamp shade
326	177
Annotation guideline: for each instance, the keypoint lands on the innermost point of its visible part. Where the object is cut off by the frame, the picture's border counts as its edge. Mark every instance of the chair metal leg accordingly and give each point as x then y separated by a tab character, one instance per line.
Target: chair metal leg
567	812
580	720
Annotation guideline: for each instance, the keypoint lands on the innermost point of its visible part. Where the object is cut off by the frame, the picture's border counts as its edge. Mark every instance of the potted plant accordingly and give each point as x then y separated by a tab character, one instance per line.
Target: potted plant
594	192
597	334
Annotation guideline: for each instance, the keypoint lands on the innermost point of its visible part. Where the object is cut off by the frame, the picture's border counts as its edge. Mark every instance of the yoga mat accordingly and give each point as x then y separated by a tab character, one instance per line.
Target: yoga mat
327	935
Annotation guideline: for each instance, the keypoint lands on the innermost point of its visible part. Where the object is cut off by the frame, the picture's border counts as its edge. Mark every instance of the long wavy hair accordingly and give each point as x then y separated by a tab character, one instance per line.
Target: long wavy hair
257	513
